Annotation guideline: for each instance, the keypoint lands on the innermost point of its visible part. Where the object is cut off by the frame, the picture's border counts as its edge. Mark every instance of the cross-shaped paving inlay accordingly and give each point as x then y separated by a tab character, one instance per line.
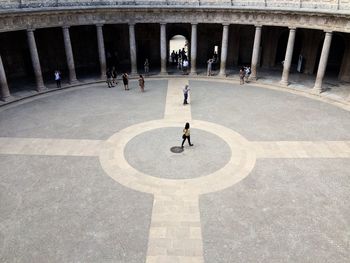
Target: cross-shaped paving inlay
175	234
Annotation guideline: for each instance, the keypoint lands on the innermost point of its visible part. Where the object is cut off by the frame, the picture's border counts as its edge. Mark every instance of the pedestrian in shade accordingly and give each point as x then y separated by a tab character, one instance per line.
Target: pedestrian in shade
114	76
146	66
185	91
241	76
210	66
142	83
186	135
126	81
109	78
58	78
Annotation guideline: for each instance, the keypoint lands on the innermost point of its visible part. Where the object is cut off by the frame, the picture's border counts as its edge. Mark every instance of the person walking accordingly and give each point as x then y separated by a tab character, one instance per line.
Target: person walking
126	81
146	66
210	66
142	83
185	91
109	78
114	76
241	76
186	135
58	78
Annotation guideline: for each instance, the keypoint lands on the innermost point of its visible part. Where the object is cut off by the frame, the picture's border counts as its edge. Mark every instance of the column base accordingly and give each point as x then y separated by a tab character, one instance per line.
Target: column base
73	82
41	88
194	73
317	90
134	75
7	98
164	73
222	74
284	83
253	78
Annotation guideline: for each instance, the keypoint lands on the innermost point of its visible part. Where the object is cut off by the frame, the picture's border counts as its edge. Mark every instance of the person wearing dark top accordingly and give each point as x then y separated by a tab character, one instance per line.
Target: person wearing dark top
186	135
126	81
114	76
109	78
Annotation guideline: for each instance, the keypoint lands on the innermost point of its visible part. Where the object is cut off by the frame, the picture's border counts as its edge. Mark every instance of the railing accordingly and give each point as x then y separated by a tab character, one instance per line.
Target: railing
317	5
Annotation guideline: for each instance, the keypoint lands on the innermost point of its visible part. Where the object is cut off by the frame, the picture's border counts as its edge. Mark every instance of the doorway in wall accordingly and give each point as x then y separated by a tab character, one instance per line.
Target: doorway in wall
178	47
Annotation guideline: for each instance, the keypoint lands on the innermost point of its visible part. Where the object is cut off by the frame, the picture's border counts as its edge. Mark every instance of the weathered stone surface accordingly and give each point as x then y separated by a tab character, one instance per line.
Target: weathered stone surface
53	18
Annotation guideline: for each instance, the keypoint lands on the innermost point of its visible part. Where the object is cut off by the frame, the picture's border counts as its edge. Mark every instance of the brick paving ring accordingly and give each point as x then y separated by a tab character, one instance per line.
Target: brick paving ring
239	166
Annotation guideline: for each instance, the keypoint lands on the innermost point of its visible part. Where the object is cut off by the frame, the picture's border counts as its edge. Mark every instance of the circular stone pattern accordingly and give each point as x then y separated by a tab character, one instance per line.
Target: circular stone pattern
149	153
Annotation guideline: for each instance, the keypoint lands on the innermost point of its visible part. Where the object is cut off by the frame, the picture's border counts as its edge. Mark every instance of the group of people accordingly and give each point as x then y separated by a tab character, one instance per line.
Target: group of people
180	59
112	79
111	75
244	74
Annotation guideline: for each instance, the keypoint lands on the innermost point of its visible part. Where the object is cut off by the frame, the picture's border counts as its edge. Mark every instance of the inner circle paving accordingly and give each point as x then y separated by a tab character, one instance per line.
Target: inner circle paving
70	194
148	153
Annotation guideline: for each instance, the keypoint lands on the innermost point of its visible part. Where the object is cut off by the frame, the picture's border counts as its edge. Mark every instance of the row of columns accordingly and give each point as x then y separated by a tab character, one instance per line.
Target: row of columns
163	54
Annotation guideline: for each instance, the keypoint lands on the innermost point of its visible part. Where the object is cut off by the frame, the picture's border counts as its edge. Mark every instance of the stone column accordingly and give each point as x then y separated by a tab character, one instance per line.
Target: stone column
132	41
323	62
101	50
35	60
224	45
69	55
194	50
4	92
288	57
163	55
256	53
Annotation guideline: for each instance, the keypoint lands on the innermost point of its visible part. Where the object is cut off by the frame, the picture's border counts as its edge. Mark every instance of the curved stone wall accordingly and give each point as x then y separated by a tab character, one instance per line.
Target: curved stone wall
261	33
280	4
27	19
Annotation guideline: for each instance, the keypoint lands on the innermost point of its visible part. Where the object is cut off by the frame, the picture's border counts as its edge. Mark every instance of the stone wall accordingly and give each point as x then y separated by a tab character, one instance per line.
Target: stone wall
281	4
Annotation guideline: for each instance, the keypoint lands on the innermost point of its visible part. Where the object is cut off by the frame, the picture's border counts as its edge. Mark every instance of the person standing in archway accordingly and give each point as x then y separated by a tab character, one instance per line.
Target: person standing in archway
186	135
146	66
126	81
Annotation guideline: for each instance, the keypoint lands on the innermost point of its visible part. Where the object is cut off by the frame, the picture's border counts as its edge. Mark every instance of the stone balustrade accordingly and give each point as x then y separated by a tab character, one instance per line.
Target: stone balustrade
315	5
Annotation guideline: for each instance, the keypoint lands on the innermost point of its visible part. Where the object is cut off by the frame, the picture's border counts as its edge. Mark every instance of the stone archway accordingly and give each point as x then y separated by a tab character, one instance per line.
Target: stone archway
177	43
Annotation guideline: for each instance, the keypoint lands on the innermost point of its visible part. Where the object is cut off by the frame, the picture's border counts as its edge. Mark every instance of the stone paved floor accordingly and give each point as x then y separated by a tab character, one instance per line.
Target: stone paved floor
87	176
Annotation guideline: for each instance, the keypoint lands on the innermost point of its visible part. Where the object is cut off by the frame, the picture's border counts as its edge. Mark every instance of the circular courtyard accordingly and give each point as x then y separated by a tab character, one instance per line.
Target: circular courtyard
87	175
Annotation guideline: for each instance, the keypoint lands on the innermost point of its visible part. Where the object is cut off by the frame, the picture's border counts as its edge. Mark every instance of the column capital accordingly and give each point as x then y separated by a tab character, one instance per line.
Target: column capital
329	32
163	23
131	24
30	29
258	26
99	25
65	27
194	24
292	28
225	24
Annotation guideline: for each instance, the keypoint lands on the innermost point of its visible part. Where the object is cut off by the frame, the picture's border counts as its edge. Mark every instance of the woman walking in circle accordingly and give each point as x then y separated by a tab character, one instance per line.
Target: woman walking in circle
186	135
142	83
125	81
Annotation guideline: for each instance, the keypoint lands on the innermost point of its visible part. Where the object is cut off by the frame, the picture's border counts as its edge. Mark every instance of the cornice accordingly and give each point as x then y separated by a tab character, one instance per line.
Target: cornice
53	18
